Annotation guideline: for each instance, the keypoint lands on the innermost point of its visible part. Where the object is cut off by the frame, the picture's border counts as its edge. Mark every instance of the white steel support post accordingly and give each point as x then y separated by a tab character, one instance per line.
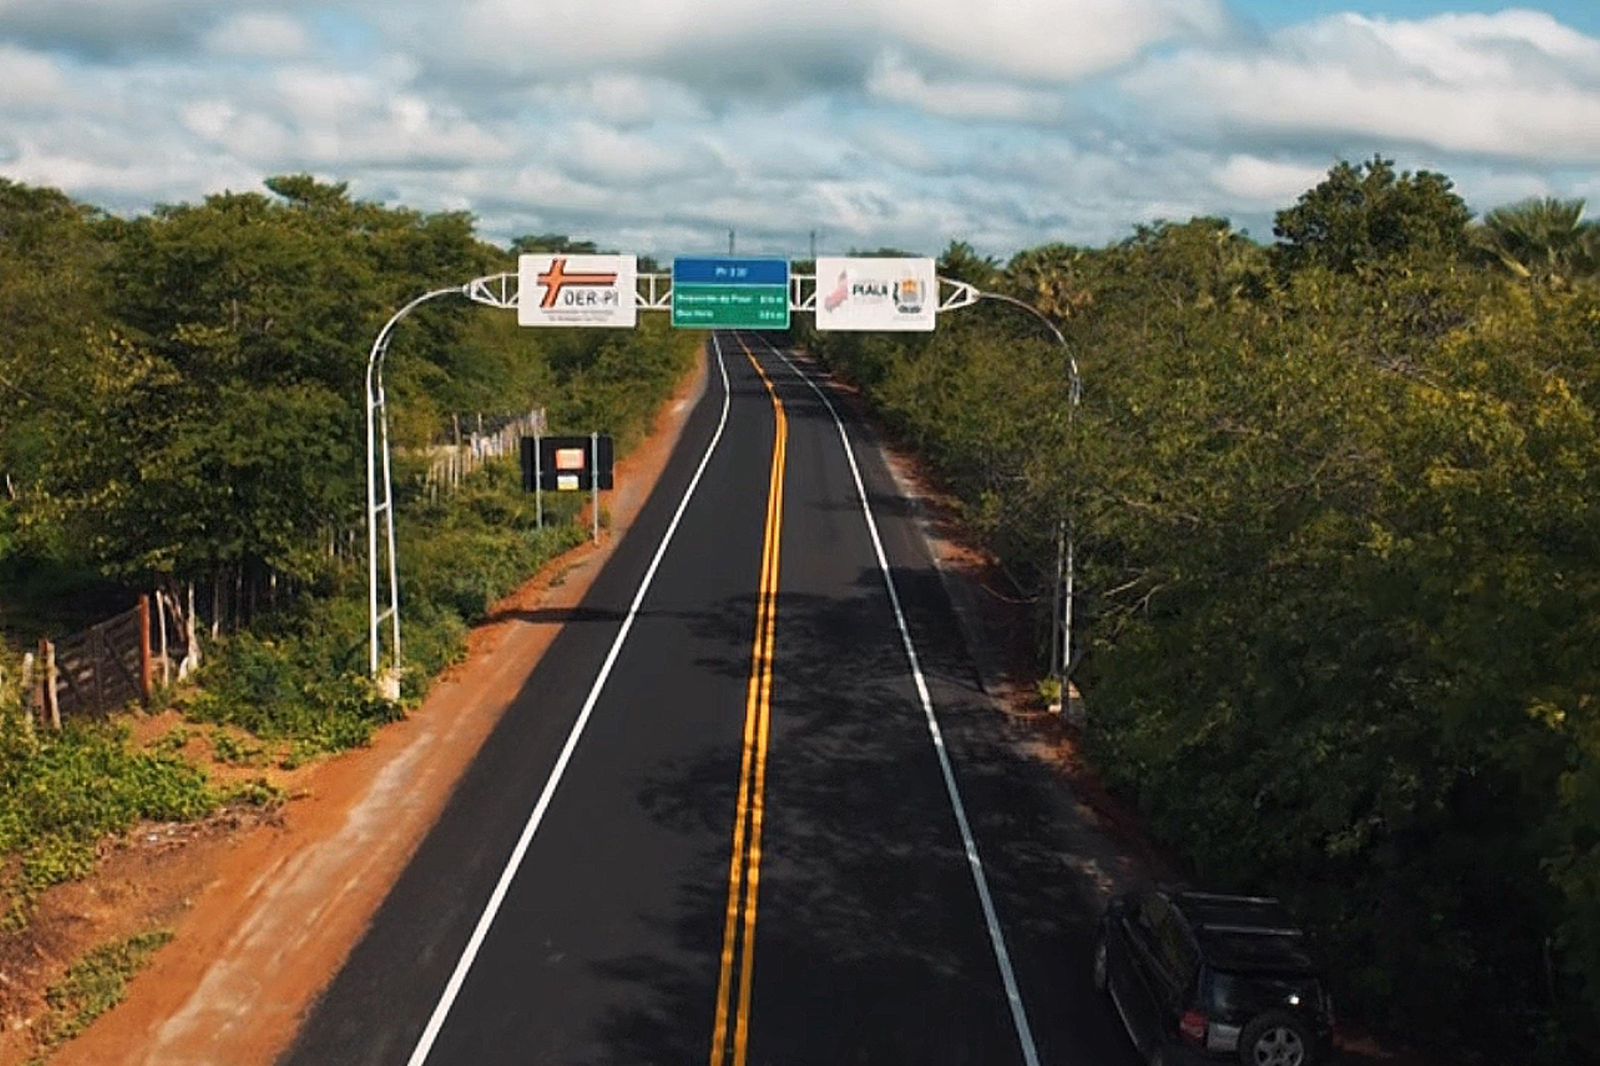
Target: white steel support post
1055	603
1063	617
594	482
1066	617
538	480
377	409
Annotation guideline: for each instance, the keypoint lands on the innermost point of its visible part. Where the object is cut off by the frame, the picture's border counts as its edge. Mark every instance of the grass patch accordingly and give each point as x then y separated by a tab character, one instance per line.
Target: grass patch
61	794
256	792
95	983
234	752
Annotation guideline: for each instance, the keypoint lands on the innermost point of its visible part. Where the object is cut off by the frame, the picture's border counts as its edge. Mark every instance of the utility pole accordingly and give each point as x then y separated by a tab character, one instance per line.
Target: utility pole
730	242
813	246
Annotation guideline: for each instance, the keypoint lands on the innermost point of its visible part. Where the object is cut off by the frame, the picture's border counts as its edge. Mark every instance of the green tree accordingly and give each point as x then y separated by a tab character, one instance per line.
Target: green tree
961	262
223	416
527	244
1050	278
51	293
1364	215
1546	240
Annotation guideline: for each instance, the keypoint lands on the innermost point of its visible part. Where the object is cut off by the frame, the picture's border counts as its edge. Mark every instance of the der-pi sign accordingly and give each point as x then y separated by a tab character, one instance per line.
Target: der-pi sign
578	290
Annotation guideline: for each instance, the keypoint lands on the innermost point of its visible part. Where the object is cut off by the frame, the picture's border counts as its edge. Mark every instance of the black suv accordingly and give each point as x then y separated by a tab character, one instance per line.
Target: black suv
1198	978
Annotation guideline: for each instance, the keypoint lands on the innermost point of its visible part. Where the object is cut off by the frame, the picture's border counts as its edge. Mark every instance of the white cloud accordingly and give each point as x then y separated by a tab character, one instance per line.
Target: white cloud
96	27
1266	181
260	34
895	81
621	158
659	124
31	80
1052	40
1516	85
1035	40
885	142
624	99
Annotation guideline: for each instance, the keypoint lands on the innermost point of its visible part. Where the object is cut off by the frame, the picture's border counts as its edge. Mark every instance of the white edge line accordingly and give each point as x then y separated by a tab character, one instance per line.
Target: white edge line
997	940
419	1054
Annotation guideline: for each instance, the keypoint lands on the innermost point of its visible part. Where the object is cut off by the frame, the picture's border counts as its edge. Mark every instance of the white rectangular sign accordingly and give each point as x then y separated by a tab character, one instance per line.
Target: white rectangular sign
876	294
577	290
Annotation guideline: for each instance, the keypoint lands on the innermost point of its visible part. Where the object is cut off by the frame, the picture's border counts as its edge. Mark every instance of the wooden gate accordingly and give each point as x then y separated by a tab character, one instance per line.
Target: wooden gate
102	669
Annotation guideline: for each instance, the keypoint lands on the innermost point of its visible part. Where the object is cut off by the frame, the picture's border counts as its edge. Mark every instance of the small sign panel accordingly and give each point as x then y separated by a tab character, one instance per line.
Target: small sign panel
577	290
730	293
877	294
567	464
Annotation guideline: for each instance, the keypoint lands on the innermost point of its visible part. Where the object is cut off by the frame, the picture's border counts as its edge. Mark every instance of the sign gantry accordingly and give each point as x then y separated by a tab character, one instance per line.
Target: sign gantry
654	292
608	291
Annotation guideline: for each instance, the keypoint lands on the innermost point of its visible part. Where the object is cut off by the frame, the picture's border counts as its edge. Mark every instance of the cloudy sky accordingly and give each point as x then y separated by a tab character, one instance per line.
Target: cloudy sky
655	125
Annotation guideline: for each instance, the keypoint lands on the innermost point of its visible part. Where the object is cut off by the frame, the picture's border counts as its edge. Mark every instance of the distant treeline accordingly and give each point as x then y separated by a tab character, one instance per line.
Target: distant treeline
1337	501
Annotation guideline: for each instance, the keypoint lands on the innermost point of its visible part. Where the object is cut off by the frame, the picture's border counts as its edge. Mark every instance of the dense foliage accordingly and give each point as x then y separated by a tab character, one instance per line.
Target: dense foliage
1337	505
205	362
181	405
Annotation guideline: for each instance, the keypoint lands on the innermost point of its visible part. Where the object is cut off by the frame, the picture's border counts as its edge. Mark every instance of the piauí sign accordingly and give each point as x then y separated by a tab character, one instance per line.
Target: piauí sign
860	293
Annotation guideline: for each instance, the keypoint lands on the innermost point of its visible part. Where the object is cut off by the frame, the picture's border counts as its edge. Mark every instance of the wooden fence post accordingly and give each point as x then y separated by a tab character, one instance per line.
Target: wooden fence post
52	705
98	651
191	653
29	696
147	672
161	628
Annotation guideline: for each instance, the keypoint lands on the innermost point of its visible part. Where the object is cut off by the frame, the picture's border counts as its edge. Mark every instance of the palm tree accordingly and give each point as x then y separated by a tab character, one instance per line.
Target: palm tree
1051	279
1542	240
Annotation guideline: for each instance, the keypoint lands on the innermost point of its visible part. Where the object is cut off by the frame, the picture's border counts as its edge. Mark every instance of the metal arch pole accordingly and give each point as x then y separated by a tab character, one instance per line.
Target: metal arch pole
1066	546
375	400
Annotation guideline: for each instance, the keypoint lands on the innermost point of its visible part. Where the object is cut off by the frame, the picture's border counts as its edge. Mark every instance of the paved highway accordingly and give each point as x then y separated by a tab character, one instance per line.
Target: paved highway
750	808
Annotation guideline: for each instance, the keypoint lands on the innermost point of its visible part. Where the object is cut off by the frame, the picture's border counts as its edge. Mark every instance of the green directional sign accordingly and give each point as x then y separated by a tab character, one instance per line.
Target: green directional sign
730	293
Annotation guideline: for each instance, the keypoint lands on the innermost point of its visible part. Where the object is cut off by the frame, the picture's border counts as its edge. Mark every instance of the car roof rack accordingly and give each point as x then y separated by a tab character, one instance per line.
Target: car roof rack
1223	897
1252	930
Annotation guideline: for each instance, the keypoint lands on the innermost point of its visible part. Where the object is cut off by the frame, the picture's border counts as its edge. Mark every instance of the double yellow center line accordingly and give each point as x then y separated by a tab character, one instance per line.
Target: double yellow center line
744	874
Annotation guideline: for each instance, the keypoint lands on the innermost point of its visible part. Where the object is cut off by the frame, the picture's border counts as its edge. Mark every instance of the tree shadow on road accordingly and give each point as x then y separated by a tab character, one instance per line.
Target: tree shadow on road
871	946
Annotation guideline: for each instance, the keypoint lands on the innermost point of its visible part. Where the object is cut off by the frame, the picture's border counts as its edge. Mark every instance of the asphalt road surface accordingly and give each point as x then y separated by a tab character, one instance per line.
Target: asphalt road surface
750	808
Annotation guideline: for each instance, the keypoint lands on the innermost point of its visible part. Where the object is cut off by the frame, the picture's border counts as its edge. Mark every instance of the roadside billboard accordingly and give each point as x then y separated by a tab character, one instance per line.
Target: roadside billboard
577	290
876	294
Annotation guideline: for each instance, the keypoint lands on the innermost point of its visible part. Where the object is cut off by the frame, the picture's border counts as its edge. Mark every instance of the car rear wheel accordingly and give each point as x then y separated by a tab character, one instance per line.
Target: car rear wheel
1276	1039
1101	980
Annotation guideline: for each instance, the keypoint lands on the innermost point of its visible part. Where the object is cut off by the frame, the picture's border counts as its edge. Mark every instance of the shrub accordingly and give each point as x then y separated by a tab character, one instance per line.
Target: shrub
60	794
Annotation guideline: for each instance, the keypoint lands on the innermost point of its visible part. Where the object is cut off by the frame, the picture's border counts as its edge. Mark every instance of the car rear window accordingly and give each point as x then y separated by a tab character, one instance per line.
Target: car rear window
1248	994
